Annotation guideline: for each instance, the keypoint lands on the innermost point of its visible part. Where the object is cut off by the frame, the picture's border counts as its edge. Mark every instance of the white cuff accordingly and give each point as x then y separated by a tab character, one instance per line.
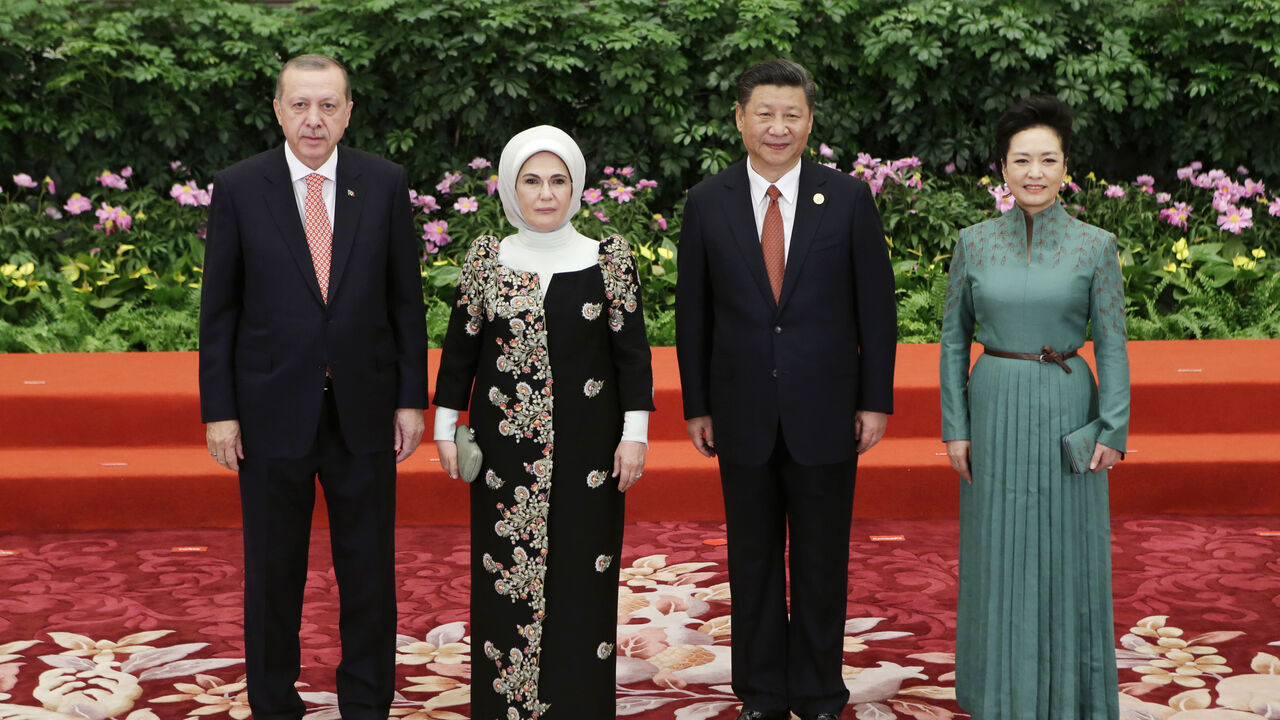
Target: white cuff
446	423
635	426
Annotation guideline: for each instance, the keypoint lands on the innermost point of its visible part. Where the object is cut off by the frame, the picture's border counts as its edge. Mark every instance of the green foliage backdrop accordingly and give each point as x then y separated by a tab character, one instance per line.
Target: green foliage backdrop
88	85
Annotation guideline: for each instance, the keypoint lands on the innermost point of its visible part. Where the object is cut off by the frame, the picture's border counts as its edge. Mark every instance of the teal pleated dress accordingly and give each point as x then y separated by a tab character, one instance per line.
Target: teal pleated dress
1034	633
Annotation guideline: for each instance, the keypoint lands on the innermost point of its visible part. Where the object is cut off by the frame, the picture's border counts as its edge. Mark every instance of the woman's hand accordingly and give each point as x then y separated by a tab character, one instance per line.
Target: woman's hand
448	451
1104	458
628	463
958	454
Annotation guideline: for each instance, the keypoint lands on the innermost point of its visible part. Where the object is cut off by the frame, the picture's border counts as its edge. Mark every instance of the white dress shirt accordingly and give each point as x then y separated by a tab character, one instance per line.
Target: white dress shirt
298	174
789	186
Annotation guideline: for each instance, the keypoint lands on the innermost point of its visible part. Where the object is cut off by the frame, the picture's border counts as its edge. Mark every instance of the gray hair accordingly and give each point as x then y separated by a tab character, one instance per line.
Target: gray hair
313	62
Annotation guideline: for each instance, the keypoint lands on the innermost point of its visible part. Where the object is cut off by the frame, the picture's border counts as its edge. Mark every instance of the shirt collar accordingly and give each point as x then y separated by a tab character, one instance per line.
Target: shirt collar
788	184
297	170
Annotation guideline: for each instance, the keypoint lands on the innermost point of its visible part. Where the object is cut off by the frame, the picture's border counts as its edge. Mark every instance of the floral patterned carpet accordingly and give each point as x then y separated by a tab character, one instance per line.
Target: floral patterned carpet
146	625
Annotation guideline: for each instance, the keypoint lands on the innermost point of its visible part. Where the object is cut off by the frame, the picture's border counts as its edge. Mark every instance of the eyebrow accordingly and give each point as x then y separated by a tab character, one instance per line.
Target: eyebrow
536	175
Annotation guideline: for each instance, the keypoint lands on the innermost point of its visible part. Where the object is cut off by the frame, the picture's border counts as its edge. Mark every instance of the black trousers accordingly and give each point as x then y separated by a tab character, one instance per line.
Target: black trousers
782	663
277	500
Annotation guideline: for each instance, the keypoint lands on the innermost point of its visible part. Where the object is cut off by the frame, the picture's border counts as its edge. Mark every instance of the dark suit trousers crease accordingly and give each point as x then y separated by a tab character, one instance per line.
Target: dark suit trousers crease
781	664
277	499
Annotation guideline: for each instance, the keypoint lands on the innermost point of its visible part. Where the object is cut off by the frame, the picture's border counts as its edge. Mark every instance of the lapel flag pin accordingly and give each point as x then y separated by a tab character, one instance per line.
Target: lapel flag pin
819	198
351	193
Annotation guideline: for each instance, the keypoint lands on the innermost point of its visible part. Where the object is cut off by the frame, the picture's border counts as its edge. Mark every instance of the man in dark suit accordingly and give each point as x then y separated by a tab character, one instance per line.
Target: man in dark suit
313	364
786	333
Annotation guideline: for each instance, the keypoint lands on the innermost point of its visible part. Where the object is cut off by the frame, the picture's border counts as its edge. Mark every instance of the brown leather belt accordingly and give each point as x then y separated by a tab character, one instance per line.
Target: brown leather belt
1047	355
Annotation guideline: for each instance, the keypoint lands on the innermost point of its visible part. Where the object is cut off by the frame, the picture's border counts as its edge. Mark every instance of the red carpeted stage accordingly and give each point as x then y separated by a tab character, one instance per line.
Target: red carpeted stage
120	562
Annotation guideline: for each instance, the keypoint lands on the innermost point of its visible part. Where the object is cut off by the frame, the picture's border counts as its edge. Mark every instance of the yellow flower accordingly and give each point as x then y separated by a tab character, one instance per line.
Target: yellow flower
1090	176
665	253
985	180
140	216
1180	250
1171	267
1258	253
123	249
1242	262
646	253
8	269
1066	178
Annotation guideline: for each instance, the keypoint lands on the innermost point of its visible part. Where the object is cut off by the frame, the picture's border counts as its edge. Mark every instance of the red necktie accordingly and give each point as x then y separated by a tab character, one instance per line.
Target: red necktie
773	243
319	235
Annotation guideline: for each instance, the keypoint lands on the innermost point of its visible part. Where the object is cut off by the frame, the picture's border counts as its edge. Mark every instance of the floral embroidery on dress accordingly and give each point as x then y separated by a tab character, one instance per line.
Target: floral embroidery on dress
591	311
619	280
604	651
492	480
603	562
592	387
596	478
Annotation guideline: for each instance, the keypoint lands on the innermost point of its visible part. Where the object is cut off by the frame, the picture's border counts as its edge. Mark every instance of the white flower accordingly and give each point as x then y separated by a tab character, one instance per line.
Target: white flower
591	311
592	387
605	649
492	480
603	562
595	478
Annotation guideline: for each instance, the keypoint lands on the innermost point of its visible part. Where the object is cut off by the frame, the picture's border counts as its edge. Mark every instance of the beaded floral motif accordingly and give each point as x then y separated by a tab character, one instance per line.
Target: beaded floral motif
619	287
591	311
592	387
494	293
603	562
604	650
596	478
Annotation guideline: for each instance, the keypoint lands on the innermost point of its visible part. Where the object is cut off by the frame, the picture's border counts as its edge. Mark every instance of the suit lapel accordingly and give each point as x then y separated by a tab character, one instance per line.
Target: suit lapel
282	203
346	217
808	218
742	227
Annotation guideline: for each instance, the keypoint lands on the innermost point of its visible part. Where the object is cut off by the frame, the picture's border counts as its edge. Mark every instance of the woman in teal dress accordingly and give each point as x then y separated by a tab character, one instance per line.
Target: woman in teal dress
1034	632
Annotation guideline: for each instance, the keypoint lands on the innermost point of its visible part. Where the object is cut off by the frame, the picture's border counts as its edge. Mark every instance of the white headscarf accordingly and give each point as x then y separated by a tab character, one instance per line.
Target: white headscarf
518	150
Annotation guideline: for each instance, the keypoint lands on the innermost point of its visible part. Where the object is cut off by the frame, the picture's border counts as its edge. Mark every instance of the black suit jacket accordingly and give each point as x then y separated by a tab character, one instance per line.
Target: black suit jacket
266	336
807	362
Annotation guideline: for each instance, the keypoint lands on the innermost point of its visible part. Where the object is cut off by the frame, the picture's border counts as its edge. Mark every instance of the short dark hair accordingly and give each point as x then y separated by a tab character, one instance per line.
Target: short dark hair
784	73
1035	111
313	62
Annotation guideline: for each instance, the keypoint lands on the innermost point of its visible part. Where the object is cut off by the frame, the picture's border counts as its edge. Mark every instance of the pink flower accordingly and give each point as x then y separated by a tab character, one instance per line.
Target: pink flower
435	233
1251	188
949	168
591	196
204	197
49	187
111	219
466	205
1145	181
627	171
1176	215
646	184
1223	200
427	203
1114	191
825	151
1274	207
491	185
185	194
601	216
112	180
1236	220
1074	187
175	165
1186	173
1242	170
127	172
77	204
866	159
1202	181
1004	198
622	194
1196	165
1163	198
659	222
53	213
479	164
831	165
446	185
608	170
24	180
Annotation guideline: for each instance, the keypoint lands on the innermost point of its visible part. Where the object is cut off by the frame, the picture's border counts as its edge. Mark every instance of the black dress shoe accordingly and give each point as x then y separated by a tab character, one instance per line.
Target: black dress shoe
825	716
757	715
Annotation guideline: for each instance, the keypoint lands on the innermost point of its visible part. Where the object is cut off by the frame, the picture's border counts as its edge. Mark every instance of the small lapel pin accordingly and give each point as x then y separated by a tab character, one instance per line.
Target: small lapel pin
819	198
351	193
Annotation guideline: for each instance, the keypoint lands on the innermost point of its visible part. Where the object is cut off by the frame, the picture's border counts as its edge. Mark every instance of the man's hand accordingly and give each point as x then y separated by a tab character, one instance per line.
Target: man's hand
869	427
223	439
409	427
702	436
958	452
628	463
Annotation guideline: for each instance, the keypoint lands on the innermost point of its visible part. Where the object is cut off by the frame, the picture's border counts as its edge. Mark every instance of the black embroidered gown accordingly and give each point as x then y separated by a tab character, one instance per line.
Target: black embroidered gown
552	379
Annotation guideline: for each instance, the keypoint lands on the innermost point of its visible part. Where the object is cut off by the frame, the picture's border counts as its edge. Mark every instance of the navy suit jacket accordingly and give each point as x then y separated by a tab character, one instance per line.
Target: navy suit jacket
812	359
266	335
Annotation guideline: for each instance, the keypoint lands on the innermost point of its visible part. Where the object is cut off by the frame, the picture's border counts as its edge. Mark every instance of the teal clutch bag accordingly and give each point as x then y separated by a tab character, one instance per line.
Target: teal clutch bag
1079	444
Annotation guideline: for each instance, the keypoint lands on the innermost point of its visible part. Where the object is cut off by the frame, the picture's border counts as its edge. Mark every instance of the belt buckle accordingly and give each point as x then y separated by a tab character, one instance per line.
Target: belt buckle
1044	359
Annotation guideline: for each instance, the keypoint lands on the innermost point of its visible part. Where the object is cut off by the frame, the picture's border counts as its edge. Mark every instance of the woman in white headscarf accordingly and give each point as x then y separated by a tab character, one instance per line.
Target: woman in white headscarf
547	507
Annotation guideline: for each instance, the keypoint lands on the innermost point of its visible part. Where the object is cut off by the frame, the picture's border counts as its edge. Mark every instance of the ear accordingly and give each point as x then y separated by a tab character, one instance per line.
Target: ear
739	115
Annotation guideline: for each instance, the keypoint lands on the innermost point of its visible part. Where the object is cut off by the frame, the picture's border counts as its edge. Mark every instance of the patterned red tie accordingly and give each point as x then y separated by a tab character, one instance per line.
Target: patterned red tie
319	235
773	244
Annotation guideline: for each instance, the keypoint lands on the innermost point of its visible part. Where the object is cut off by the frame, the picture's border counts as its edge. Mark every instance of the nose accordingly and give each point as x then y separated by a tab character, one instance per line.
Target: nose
544	191
312	118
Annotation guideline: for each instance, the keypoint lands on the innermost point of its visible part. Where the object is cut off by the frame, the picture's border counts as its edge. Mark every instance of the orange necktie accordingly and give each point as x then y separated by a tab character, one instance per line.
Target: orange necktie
319	235
773	243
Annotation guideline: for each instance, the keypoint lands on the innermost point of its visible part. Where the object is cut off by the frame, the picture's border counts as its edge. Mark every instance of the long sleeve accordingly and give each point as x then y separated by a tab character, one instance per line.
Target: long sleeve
1110	347
876	310
462	340
694	325
632	358
957	335
220	298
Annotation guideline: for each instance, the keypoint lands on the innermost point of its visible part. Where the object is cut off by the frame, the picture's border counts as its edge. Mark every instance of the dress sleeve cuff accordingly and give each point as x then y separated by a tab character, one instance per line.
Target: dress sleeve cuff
635	426
446	423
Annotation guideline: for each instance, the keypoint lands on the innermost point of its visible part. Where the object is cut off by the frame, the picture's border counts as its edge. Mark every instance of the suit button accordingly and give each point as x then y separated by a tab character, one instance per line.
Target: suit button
777	330
775	372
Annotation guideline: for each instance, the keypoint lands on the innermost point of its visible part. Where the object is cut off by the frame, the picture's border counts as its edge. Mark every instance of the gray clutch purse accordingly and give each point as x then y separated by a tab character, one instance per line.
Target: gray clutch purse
469	456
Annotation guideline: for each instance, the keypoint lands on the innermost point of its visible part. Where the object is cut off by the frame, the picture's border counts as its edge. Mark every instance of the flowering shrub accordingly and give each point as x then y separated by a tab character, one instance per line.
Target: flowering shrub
1199	257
